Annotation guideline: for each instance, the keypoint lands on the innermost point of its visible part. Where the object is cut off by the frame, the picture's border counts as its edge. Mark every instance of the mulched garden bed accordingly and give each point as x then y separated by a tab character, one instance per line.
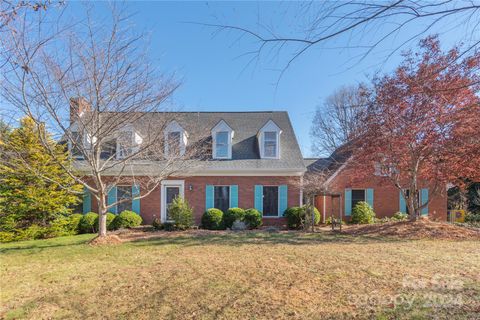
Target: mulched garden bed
422	229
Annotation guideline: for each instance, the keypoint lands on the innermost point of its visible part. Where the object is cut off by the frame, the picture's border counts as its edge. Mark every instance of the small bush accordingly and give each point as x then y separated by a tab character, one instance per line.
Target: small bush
253	218
400	216
212	219
181	214
110	218
7	236
296	217
472	217
126	219
232	215
362	213
89	223
74	223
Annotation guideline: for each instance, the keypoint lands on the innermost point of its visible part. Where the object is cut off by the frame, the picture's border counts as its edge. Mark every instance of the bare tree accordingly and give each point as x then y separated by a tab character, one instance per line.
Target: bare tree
96	89
363	25
338	120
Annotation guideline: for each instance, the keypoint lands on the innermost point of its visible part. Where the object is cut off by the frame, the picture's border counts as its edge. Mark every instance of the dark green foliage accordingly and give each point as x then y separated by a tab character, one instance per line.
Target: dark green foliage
181	214
212	219
253	218
126	219
89	223
231	215
473	198
472	217
362	213
296	217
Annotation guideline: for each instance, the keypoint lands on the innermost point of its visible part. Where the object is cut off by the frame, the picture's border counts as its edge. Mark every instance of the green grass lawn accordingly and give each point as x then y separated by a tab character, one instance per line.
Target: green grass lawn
246	276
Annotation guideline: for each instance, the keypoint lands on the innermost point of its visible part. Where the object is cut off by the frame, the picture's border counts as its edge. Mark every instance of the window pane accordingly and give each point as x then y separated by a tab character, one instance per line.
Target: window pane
76	145
221	144
222	197
357	196
125	142
270	144
174	143
108	149
124	192
270	201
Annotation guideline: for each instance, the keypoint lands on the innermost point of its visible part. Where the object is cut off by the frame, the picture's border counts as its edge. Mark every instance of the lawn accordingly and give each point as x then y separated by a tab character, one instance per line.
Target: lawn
242	275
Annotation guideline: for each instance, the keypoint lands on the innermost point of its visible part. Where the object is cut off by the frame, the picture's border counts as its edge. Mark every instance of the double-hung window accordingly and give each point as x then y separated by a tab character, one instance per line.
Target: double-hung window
76	145
270	144
108	149
125	144
222	197
173	144
124	193
221	144
357	196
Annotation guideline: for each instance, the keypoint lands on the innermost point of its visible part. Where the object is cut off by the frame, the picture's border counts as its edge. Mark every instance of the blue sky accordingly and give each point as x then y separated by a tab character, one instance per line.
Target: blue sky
214	76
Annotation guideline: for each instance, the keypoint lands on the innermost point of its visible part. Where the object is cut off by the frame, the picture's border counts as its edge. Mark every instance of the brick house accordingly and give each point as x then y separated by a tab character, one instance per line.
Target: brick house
254	162
376	190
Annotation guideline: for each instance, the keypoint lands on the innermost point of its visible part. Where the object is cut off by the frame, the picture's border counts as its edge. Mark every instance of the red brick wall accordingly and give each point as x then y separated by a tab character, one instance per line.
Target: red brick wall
386	199
151	204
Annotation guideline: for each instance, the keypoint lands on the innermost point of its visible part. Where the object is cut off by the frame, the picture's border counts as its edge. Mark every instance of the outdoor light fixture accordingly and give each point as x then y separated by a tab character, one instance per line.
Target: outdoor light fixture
190	187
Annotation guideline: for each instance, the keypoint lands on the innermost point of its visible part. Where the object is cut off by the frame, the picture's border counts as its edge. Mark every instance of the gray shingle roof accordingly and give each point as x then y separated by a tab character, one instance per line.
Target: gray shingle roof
245	149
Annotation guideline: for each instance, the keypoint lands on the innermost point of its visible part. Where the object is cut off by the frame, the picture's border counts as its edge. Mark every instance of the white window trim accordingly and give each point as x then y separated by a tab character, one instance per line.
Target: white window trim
163	196
270	126
173	126
222	126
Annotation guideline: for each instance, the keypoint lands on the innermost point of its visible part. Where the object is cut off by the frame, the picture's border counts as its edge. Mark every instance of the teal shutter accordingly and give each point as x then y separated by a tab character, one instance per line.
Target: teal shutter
87	201
136	202
424	200
208	197
348	202
258	198
112	198
282	199
402	204
369	196
234	196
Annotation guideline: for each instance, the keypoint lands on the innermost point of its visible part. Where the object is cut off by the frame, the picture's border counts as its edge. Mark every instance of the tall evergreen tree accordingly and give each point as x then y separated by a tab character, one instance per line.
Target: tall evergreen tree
34	189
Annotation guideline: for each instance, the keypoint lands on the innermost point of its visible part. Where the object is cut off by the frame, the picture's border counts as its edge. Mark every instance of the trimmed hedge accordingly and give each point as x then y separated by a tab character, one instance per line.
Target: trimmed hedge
232	215
362	213
212	219
89	223
126	219
110	218
296	217
253	218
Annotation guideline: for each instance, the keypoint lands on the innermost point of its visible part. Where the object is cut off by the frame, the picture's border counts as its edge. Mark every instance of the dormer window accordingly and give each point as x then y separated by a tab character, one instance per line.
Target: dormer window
270	144
221	144
125	144
175	140
222	136
269	141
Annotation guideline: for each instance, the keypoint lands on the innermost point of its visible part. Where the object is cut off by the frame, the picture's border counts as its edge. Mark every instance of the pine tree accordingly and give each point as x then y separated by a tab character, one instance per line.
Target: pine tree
34	188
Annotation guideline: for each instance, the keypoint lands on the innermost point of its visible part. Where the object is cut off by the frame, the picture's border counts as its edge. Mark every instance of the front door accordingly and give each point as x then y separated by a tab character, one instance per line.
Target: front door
171	189
171	192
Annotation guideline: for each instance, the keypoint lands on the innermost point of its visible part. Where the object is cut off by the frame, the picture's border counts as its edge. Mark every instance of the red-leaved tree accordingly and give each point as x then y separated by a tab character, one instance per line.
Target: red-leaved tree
424	123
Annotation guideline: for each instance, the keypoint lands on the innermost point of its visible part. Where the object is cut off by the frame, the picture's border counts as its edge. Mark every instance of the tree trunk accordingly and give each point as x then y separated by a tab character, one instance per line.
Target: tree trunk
102	218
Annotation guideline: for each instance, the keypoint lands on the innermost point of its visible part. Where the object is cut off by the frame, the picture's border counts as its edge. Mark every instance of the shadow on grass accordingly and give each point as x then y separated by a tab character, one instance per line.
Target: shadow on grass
262	238
38	245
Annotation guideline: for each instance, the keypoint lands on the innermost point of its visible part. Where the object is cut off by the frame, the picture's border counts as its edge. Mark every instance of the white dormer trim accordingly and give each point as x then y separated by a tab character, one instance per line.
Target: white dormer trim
135	143
174	126
222	126
270	126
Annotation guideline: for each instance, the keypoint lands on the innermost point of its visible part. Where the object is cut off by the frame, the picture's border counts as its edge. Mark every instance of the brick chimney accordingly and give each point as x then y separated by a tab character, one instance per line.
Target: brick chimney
78	107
